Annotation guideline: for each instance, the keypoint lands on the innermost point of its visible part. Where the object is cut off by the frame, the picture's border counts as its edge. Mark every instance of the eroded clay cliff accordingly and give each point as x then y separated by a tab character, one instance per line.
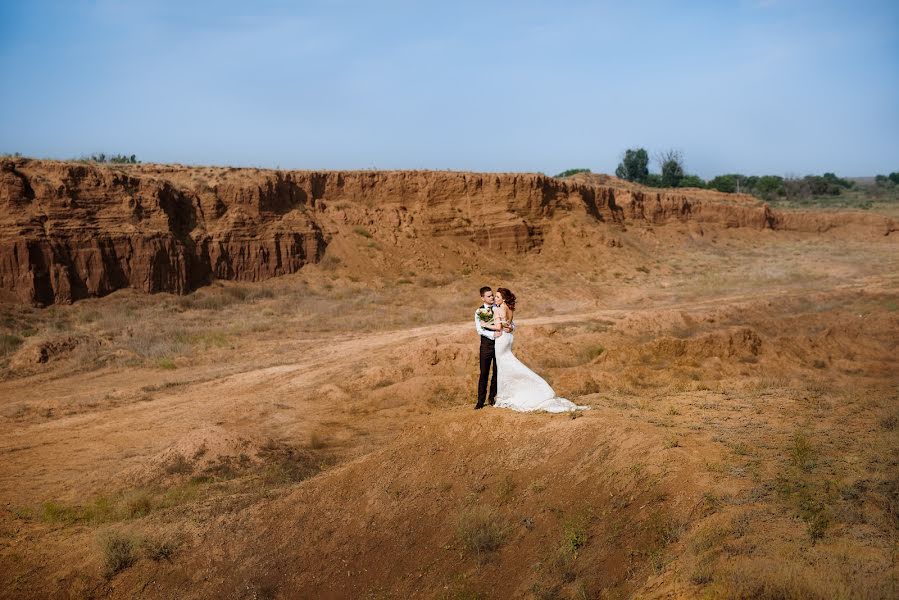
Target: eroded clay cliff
71	230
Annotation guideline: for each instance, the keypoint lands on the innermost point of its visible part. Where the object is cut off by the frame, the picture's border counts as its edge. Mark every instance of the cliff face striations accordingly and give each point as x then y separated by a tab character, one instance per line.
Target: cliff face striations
70	230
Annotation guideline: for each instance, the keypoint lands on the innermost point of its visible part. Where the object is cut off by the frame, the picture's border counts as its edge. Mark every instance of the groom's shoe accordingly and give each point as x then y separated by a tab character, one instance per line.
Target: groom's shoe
478	406
492	401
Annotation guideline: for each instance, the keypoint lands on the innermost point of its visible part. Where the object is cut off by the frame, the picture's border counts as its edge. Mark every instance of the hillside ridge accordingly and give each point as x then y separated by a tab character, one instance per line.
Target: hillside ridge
72	230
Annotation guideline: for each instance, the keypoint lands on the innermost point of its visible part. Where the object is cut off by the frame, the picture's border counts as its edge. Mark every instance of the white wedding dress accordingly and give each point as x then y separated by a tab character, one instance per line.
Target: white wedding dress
521	389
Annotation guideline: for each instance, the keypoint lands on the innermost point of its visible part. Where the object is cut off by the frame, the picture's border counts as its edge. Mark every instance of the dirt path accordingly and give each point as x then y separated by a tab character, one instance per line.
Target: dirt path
120	422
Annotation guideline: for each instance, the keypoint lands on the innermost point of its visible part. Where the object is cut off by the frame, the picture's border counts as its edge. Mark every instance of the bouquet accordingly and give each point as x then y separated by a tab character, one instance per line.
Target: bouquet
485	315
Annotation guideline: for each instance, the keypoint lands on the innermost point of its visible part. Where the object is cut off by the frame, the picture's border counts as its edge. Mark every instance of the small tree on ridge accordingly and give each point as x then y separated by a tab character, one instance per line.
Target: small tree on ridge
634	165
671	165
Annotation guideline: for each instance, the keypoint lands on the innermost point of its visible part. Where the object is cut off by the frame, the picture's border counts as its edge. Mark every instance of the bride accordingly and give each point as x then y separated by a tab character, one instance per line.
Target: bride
518	387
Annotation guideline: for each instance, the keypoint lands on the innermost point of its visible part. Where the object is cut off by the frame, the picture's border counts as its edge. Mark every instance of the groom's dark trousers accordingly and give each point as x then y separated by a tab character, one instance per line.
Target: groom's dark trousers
488	359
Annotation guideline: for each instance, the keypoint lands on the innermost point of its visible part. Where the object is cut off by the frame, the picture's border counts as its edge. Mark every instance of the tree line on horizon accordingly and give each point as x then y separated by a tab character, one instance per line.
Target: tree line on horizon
634	166
120	159
97	157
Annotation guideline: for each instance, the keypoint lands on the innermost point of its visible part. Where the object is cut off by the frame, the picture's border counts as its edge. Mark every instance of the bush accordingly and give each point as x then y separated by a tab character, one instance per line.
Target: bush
653	180
118	553
570	172
481	531
160	548
694	181
801	453
725	183
887	180
815	185
769	186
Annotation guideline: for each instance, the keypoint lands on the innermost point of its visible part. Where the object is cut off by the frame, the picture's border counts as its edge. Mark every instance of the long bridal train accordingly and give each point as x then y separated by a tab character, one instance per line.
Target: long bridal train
519	388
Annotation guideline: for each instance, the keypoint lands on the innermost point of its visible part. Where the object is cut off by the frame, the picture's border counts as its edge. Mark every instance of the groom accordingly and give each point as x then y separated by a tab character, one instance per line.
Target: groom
488	356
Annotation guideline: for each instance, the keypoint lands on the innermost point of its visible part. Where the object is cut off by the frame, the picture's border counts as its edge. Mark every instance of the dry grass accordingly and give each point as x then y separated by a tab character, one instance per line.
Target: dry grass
9	343
317	441
119	552
802	454
481	531
282	465
575	534
765	579
159	548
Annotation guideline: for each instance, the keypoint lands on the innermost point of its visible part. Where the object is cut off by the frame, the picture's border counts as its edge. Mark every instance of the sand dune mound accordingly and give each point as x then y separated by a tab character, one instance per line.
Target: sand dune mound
205	451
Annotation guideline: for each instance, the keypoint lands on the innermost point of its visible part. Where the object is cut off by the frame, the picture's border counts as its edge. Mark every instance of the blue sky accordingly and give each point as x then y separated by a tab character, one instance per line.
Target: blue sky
786	87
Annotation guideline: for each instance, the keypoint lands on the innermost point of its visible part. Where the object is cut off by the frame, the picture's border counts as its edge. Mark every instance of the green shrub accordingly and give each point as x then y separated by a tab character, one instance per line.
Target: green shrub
694	181
769	186
724	183
652	180
570	172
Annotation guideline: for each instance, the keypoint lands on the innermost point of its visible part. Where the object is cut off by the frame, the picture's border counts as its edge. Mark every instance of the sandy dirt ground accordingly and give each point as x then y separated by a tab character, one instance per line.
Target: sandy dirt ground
313	436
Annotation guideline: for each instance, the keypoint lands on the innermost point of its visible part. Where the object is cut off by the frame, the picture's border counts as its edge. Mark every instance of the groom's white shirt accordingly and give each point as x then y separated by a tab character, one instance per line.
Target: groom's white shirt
487	333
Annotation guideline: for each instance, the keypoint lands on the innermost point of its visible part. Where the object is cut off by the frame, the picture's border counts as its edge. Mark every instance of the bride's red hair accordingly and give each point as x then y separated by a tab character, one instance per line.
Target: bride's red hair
508	297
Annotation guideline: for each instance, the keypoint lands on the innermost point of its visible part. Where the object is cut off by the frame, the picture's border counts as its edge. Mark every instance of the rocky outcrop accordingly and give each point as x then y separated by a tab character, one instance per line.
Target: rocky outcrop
664	207
732	210
71	230
822	222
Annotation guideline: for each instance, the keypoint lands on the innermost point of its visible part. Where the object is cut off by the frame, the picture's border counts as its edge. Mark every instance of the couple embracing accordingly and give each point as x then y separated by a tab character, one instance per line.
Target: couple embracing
513	385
